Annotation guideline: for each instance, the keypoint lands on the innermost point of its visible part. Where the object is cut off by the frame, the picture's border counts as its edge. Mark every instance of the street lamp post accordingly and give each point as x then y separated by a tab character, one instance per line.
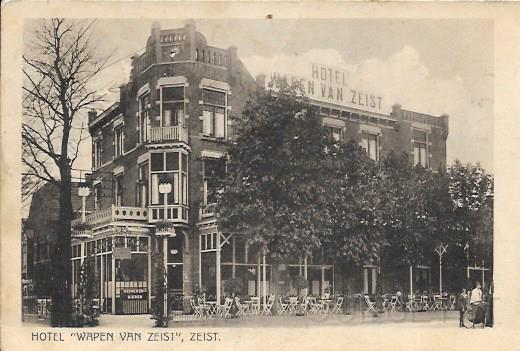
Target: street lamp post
83	192
165	189
440	250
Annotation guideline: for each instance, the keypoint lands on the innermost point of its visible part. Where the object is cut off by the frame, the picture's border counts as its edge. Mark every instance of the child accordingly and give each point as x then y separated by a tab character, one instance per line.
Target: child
461	306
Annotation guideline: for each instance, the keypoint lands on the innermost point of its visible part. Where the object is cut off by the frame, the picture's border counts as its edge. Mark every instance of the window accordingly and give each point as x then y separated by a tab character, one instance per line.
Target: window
169	167
334	132
119	140
196	54
144	117
370	143
214	173
172	106
118	190
142	185
420	147
214	113
97	148
97	197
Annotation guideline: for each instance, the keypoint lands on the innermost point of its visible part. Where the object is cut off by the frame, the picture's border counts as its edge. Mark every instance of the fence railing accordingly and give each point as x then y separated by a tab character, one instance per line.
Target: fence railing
115	213
34	305
207	210
174	133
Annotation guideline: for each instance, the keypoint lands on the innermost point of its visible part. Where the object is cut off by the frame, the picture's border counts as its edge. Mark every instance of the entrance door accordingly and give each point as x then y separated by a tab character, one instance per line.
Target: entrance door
132	284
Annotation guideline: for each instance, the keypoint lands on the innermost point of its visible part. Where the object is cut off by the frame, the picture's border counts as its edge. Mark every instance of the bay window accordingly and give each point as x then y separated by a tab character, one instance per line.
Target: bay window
420	147
169	167
214	113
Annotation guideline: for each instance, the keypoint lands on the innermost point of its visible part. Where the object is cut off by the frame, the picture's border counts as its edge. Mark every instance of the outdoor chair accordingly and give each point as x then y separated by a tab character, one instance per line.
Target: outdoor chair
268	306
243	308
338	305
284	307
255	305
293	304
225	308
411	305
392	303
452	302
315	306
303	306
437	303
198	310
371	305
425	302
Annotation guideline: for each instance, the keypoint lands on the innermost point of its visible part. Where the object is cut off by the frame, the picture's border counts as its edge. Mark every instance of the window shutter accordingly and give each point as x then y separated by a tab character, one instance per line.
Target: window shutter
206	123
219	125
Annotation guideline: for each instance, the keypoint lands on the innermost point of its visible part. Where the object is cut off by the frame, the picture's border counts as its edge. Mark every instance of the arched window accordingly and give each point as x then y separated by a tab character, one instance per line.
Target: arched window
203	54
196	54
214	58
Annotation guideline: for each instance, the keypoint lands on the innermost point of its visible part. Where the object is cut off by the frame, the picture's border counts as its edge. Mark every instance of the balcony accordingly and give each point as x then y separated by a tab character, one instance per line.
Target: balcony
113	214
165	134
81	234
206	211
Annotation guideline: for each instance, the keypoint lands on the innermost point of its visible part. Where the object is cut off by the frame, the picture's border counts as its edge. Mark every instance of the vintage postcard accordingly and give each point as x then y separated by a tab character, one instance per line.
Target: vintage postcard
259	176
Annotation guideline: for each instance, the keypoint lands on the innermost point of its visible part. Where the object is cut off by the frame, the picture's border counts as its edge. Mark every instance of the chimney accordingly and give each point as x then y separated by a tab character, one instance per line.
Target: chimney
445	119
92	114
396	111
123	93
156	41
190	30
232	54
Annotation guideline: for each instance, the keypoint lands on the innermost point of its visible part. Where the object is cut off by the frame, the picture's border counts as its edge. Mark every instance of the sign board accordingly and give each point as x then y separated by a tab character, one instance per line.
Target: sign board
330	85
122	253
135	294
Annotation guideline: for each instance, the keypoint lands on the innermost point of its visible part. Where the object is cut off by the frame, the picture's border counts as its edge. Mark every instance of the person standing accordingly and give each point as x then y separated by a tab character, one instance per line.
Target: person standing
476	295
461	306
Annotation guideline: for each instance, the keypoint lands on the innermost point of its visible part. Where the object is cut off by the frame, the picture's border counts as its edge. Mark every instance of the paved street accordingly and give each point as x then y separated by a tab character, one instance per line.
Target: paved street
434	319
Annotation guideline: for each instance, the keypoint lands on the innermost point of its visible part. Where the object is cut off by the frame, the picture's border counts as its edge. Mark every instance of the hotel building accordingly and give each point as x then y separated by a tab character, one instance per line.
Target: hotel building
172	125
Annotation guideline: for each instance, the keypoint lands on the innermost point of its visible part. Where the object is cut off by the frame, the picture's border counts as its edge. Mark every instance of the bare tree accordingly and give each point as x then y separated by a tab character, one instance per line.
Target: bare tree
59	66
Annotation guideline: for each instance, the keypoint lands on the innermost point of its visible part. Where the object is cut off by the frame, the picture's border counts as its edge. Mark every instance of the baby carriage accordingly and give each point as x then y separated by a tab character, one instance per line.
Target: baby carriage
475	314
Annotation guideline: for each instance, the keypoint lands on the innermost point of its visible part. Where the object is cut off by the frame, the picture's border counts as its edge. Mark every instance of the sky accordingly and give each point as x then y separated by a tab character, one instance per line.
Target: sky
431	66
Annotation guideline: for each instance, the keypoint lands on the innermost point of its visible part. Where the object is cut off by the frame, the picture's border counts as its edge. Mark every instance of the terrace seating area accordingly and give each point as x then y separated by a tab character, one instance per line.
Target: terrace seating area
253	306
409	303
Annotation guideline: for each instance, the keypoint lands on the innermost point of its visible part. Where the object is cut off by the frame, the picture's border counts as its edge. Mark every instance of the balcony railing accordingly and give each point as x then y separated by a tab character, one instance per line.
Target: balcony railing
160	134
115	213
206	211
81	234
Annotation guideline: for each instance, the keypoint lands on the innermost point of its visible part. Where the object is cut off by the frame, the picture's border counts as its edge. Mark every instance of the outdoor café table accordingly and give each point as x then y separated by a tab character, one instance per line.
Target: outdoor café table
325	303
212	308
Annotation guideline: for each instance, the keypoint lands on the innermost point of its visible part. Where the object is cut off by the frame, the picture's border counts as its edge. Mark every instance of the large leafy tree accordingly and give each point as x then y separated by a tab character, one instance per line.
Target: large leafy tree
355	236
472	193
276	187
410	214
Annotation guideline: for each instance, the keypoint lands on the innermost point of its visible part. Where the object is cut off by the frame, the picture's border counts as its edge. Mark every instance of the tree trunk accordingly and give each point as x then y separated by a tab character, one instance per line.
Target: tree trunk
274	286
61	314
